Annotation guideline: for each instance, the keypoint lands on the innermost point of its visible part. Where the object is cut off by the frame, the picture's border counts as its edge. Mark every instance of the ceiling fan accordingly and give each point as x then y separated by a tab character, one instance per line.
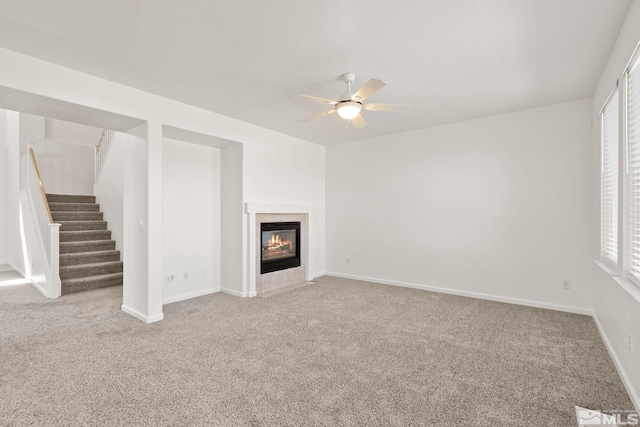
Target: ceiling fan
349	105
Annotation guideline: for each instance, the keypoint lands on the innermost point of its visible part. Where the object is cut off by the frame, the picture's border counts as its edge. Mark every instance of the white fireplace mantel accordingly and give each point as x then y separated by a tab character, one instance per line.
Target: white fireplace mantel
253	208
282	208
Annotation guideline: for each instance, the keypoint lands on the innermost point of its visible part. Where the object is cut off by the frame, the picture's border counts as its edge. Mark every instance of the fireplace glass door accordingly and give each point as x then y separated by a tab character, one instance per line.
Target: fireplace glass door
280	246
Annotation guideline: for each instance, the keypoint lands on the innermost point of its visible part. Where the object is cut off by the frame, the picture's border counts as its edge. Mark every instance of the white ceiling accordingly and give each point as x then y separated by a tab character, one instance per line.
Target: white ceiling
453	59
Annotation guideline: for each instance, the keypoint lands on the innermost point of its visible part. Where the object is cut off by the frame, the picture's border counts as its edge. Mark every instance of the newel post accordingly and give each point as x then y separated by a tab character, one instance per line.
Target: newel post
54	260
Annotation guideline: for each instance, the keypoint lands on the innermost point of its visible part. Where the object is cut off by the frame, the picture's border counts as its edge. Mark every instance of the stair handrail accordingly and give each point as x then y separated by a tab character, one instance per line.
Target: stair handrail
48	230
102	151
43	194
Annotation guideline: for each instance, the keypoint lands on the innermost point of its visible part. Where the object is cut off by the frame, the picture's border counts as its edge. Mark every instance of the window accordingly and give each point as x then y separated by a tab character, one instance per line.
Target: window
609	187
620	188
633	144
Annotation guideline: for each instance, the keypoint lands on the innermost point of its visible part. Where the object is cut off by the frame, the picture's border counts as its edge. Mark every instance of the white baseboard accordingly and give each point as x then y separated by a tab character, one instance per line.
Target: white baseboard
233	292
479	295
190	295
43	290
140	316
39	288
16	269
628	385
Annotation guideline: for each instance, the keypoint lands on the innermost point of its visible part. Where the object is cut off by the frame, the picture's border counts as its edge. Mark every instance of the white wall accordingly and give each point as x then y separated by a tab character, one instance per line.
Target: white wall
616	302
19	128
65	168
109	189
135	298
289	170
31	130
231	218
72	133
4	196
190	220
496	207
21	244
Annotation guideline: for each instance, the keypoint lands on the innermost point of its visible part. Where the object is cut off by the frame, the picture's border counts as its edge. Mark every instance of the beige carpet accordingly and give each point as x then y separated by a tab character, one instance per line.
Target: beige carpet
338	352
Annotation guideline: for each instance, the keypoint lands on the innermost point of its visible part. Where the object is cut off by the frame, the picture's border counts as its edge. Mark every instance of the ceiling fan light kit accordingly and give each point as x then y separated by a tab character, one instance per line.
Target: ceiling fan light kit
348	109
349	106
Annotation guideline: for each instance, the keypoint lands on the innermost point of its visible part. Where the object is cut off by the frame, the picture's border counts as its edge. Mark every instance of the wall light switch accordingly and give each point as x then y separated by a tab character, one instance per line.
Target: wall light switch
141	225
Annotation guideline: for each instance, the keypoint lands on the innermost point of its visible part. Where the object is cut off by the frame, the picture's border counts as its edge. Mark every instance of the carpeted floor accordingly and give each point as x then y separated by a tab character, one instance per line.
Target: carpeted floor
338	352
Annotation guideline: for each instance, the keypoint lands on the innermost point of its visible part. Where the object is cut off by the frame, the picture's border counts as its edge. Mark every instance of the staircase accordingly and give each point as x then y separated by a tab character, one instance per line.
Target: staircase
88	259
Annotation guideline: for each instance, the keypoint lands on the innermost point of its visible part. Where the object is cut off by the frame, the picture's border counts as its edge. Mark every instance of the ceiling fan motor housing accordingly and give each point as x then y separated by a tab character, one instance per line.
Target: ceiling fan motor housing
348	109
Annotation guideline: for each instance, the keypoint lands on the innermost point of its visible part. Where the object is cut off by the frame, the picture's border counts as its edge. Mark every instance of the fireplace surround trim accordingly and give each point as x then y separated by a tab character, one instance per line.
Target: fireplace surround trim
254	208
276	208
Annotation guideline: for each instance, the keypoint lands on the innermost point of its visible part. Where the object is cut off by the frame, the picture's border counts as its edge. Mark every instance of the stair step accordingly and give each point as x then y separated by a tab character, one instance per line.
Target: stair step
59	216
74	207
80	236
90	283
87	246
89	270
82	225
70	198
88	257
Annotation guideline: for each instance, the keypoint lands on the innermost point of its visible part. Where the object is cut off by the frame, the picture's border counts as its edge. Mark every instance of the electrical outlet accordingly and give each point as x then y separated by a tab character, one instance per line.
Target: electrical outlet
204	273
169	278
630	342
566	284
348	260
185	276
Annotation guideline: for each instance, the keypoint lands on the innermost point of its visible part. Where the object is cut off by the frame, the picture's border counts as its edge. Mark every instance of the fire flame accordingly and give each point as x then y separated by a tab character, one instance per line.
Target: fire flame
278	246
275	240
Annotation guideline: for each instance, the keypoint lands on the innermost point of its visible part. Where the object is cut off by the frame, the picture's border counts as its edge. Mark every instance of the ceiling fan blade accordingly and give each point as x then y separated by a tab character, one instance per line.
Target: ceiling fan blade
317	116
358	122
368	89
393	108
315	99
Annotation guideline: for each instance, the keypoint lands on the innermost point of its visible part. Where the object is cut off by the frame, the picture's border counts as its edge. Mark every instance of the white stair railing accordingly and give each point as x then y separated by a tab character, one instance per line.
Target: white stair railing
102	150
48	231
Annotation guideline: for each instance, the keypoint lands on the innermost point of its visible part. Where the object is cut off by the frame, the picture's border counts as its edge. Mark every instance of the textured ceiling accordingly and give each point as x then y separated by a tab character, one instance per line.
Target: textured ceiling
453	59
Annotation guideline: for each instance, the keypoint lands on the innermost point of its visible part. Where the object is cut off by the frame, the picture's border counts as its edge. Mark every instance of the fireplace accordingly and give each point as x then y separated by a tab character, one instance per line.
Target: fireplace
280	246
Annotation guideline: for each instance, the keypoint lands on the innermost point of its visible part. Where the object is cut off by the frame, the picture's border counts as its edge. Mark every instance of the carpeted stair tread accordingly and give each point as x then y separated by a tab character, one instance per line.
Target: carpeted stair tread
90	270
70	198
91	282
83	235
82	225
93	257
59	216
74	207
88	259
87	246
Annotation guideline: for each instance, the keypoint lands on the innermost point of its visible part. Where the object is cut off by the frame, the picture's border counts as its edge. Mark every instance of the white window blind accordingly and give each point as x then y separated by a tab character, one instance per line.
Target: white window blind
633	141
609	187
